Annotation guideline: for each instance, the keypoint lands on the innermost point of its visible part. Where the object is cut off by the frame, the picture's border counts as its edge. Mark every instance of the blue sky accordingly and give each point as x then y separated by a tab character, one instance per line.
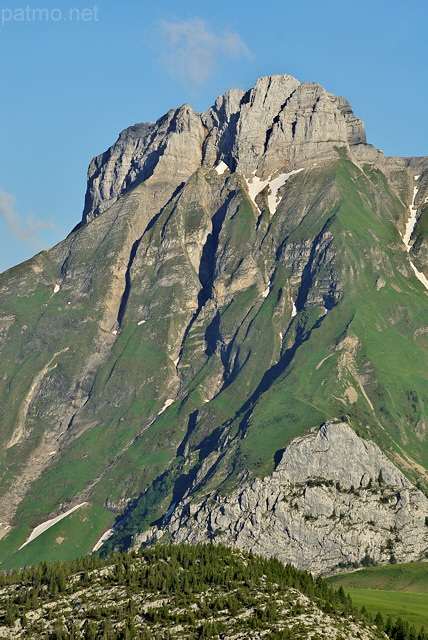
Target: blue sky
74	74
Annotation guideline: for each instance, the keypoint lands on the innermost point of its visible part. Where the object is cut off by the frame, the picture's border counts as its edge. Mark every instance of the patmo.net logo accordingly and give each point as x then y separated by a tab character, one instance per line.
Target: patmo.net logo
37	14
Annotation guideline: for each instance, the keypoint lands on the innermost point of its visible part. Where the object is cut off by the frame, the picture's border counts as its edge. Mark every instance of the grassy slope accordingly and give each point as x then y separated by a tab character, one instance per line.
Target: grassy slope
384	322
411	576
399	590
412	607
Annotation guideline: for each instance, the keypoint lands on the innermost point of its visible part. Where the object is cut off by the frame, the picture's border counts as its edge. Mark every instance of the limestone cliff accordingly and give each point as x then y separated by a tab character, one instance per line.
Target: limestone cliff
333	501
279	123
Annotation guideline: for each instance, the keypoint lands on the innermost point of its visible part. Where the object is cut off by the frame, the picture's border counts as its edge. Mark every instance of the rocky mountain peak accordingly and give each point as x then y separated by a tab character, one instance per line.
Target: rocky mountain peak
336	452
277	125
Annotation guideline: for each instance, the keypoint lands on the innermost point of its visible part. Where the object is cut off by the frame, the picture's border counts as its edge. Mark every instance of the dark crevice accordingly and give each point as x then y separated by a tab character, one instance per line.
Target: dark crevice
259	220
278	457
226	142
227	139
302	335
149	134
210	443
134	248
157	216
270	130
185	482
181	486
213	335
225	355
70	422
208	262
152	158
275	121
191	426
125	295
330	299
230	375
102	160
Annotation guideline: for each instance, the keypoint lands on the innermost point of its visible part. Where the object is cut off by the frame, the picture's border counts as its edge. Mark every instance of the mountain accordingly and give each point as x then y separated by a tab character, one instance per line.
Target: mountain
240	279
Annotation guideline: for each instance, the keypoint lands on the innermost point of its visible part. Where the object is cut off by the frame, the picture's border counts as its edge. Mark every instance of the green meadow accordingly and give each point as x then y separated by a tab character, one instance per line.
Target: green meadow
399	590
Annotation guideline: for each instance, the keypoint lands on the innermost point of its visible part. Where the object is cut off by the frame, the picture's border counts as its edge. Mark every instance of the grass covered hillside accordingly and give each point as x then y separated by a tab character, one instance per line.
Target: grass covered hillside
397	590
409	576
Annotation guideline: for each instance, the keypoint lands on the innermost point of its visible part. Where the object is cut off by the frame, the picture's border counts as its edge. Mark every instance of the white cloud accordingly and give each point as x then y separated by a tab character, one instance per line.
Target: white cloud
192	50
22	228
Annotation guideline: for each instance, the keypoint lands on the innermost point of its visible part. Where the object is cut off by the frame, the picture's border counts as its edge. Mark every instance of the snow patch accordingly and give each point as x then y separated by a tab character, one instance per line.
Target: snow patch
267	290
256	185
108	534
166	405
275	185
52	453
56	288
410	225
41	528
417	177
176	361
141	322
293	311
221	168
420	276
114	332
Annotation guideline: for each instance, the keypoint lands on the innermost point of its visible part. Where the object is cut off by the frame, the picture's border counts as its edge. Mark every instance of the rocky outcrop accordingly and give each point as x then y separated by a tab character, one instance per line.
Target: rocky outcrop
333	501
168	152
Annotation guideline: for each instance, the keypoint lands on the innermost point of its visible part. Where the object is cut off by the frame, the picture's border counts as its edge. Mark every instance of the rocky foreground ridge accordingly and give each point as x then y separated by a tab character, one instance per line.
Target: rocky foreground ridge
239	278
178	592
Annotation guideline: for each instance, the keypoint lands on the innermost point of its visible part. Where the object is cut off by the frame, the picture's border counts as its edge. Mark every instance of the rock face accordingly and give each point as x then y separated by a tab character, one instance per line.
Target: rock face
239	277
278	123
334	500
168	152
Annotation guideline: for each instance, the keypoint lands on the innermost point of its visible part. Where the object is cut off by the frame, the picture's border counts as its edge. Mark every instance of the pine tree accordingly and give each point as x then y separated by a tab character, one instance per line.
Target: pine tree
379	621
90	632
